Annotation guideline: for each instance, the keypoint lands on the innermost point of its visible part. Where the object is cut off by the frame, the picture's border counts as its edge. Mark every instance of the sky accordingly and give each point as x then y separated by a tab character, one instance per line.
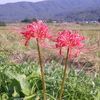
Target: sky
13	1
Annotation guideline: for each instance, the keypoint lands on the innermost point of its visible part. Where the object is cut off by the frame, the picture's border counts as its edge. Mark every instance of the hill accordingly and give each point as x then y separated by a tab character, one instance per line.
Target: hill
44	9
87	15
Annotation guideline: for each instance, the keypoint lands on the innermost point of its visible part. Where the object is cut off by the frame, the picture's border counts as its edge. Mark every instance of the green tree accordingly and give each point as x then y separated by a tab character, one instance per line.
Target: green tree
2	23
34	19
99	20
49	21
26	20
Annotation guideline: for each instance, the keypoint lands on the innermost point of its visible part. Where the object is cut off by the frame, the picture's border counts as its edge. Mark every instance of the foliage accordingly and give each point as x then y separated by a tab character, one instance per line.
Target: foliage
99	20
49	21
27	20
24	81
21	81
2	23
86	15
45	9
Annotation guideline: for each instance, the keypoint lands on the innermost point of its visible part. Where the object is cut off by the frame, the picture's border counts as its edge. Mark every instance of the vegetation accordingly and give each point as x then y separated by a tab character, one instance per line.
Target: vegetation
99	20
14	12
24	81
2	23
20	73
27	20
87	15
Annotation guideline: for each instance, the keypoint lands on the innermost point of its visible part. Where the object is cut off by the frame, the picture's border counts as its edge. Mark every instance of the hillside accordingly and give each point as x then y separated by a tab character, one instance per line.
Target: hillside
87	15
44	9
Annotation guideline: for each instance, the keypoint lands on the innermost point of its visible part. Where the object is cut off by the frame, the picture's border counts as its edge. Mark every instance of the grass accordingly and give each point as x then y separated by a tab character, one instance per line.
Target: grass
12	44
19	67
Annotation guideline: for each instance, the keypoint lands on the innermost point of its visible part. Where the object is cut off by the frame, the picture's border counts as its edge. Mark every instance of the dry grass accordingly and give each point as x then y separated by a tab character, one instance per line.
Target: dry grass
18	53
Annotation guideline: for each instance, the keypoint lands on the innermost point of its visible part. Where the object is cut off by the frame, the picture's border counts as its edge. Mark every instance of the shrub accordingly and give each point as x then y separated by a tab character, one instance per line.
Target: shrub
2	23
99	20
27	20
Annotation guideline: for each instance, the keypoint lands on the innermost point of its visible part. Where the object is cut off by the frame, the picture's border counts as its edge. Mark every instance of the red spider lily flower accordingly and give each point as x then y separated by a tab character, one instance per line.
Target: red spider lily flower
35	30
73	41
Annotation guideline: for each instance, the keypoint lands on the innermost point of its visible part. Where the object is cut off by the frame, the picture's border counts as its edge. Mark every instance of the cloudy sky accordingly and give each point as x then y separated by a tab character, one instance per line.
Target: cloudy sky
12	1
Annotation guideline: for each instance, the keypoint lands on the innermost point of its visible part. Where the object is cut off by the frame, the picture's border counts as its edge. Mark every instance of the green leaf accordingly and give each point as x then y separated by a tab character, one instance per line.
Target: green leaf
29	97
5	96
15	94
98	96
25	86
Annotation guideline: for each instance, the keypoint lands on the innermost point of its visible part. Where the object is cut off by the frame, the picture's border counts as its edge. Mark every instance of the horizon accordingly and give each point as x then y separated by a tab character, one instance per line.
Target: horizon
14	1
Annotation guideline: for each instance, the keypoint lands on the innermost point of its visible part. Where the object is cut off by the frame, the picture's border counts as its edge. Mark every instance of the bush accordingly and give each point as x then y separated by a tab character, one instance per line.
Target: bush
2	23
27	20
99	20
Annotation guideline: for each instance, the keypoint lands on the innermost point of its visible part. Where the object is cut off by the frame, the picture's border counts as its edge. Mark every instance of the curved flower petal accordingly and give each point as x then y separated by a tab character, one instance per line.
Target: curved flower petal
35	30
71	41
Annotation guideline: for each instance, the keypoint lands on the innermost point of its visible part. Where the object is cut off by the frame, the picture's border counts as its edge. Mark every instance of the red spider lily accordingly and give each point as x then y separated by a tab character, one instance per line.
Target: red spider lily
39	31
72	41
35	30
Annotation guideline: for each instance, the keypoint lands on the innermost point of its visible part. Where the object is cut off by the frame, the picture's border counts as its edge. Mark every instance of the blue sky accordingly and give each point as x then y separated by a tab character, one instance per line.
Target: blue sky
12	1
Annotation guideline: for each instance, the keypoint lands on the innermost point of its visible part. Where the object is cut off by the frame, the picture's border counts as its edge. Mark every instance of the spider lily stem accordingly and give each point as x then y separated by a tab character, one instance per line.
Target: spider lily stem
42	72
64	76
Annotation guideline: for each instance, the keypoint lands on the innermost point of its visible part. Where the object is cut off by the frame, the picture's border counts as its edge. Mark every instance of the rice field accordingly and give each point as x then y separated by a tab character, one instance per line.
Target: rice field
18	53
20	77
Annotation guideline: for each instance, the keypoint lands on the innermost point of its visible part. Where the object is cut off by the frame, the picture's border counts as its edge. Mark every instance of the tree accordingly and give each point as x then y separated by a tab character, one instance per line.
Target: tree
99	20
34	19
2	23
49	21
27	20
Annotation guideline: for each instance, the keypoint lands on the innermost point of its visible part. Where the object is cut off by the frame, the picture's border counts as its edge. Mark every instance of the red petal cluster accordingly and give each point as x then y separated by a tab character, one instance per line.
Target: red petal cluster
73	41
67	39
35	30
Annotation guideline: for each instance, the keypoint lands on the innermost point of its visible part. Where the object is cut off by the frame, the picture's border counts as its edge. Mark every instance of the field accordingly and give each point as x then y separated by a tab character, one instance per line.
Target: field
20	76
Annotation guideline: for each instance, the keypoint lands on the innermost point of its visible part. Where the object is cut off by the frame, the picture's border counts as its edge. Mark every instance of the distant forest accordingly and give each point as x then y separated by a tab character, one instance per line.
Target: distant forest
87	15
67	10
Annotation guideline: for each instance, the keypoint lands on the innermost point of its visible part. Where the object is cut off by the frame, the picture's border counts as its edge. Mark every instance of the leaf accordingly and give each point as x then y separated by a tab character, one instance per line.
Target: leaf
98	95
25	86
29	97
5	96
15	94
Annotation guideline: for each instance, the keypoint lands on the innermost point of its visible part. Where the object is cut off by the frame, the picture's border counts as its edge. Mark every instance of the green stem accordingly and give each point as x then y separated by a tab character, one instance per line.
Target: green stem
42	72
64	75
